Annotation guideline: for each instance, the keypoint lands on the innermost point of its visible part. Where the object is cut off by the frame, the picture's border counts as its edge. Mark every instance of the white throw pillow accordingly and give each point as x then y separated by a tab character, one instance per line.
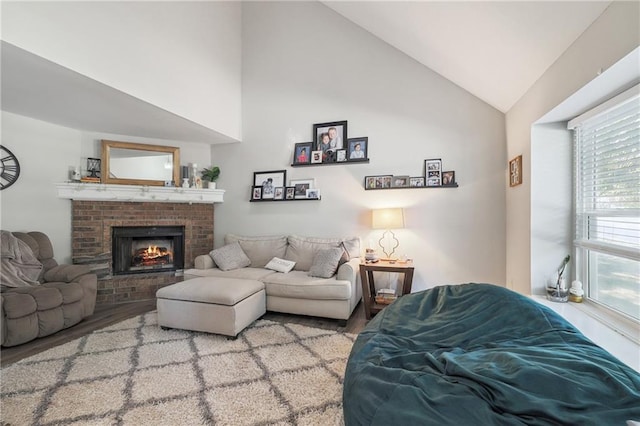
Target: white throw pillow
280	265
325	263
230	257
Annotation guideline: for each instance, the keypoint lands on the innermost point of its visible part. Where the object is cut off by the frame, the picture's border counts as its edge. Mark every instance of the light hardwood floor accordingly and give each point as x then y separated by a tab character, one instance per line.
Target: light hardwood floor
105	315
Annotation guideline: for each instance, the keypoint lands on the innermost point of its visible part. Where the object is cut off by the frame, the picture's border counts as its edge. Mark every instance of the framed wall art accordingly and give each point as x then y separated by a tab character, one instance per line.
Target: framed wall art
302	153
357	149
377	182
330	136
433	172
269	181
300	187
416	182
515	171
448	178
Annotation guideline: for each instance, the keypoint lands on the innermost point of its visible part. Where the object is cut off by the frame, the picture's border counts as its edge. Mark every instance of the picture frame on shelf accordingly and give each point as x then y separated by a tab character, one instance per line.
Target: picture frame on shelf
449	178
433	172
269	181
378	182
278	193
357	149
341	155
313	193
300	187
256	192
515	171
400	182
337	132
302	153
416	182
290	193
316	157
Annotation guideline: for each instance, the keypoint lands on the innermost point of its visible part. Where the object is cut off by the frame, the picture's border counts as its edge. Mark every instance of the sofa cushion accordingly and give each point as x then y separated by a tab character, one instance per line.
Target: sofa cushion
299	285
325	263
230	257
302	250
260	250
280	265
244	273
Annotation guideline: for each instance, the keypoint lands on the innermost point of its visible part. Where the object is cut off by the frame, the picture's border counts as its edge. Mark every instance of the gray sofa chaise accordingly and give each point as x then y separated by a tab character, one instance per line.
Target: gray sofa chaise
297	291
63	296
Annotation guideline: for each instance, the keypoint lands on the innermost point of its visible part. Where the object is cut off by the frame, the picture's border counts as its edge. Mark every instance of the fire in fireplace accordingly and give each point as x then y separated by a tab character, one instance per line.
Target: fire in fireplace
141	249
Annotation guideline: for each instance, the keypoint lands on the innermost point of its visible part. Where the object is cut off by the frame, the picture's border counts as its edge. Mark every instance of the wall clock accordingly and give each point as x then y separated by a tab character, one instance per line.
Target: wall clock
9	168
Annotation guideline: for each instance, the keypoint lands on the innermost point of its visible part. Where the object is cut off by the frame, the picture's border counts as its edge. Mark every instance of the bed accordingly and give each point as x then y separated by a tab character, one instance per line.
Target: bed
480	354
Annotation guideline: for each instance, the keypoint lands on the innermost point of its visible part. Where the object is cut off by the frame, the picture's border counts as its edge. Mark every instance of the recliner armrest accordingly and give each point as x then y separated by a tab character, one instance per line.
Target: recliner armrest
66	273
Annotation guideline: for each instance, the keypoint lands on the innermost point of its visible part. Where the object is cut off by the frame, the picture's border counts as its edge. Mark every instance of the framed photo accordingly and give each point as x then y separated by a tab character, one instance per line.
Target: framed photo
515	171
449	178
290	193
313	194
300	187
400	182
341	155
278	193
316	157
377	182
357	149
416	182
433	172
256	193
302	153
269	181
330	136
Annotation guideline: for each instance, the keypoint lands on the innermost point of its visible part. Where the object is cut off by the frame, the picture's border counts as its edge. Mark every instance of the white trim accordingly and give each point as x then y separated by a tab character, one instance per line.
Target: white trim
626	96
138	193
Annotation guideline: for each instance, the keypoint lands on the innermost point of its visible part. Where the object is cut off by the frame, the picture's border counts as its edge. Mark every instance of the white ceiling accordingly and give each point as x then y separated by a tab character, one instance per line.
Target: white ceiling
494	50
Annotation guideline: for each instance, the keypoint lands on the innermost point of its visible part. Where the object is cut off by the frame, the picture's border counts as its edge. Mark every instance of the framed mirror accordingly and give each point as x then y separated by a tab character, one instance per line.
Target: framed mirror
127	163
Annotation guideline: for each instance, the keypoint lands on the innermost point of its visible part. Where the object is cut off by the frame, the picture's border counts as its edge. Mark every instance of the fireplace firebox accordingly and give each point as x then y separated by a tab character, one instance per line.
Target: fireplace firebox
144	249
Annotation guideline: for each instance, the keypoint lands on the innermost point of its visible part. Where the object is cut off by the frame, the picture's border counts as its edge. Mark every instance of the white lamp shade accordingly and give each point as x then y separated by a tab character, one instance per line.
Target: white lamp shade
387	219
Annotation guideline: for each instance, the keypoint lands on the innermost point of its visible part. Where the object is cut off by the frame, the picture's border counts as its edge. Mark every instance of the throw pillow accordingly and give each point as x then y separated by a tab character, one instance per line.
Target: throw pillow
230	257
325	263
280	265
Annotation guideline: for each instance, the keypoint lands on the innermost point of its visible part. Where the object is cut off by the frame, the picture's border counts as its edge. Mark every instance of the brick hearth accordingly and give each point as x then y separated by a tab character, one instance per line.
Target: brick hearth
91	239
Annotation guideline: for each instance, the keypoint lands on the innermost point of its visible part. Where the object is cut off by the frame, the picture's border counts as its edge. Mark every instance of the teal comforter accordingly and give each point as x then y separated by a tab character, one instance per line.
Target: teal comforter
479	354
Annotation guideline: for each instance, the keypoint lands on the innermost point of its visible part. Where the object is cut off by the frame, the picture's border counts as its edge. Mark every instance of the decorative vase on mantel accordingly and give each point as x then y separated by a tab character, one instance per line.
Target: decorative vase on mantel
208	184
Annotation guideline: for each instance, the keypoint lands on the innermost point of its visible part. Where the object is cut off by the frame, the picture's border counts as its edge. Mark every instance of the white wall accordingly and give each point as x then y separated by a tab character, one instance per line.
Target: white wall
181	56
44	151
613	35
305	64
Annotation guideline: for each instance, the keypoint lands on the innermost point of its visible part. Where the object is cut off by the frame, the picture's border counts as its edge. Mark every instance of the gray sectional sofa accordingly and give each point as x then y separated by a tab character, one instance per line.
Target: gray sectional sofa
295	292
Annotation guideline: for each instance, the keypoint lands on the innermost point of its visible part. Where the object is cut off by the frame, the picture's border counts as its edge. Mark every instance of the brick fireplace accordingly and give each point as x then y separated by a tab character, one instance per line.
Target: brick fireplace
92	223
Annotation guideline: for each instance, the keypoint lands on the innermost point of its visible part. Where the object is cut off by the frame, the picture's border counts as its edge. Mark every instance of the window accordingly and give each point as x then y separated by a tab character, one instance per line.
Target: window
607	203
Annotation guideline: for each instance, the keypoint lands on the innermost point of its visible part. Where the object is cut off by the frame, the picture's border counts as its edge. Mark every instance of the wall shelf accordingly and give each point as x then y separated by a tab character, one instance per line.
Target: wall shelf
280	201
412	187
334	163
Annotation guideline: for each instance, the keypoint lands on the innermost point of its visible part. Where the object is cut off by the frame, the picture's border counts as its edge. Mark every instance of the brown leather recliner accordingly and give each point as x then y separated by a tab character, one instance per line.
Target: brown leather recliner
66	295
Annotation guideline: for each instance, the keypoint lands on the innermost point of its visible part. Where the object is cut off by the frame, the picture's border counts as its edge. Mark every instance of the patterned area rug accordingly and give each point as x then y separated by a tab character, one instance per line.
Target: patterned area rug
135	373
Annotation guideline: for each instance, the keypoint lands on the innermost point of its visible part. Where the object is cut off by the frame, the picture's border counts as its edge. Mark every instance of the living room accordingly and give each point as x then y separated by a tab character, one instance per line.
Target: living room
280	68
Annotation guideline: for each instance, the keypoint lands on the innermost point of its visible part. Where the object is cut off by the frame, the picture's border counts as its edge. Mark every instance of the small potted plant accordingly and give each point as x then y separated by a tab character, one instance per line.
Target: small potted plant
210	176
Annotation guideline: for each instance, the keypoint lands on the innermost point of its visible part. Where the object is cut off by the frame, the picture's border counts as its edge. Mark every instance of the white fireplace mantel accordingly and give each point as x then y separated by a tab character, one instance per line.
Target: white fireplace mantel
137	193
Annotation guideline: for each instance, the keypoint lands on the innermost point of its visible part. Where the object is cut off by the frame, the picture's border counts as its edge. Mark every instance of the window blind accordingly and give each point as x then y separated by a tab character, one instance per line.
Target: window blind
607	166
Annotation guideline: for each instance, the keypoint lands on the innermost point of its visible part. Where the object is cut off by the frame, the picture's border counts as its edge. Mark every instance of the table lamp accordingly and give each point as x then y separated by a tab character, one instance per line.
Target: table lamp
388	219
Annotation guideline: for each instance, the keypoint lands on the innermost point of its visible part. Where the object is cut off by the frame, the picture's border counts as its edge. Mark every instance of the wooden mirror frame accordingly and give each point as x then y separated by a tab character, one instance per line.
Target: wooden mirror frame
106	155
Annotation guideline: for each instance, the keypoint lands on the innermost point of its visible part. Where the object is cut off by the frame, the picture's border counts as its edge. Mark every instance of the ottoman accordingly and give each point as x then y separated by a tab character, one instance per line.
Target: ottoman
211	304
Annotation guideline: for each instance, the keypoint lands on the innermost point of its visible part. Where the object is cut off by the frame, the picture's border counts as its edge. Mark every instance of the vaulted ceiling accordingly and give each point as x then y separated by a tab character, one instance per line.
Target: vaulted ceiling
494	50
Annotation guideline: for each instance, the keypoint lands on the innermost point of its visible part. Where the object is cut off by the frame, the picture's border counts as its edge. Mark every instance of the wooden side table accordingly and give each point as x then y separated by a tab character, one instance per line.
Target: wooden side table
369	290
